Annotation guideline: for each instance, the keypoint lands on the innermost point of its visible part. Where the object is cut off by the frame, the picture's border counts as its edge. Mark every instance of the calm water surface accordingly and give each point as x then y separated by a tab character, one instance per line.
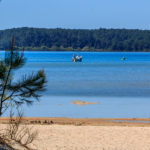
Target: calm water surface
122	88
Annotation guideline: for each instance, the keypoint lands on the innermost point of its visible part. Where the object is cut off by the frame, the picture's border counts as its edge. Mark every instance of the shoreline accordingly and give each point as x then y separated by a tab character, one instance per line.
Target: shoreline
141	122
76	51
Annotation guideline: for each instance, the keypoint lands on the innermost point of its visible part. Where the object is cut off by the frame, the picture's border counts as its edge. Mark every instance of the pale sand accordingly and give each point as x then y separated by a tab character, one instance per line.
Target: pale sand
71	137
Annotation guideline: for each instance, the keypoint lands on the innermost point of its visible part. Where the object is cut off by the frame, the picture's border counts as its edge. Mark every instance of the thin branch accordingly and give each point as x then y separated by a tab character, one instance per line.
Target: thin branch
5	84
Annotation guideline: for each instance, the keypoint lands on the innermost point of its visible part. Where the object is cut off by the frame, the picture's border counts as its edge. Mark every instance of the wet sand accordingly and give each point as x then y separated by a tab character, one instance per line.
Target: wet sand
83	103
142	122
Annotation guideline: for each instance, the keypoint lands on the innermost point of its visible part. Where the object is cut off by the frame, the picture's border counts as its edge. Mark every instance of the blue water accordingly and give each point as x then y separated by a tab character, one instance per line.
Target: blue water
122	88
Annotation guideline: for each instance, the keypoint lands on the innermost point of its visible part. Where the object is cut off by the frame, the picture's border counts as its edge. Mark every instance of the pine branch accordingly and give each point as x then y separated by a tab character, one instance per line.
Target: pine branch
25	90
29	87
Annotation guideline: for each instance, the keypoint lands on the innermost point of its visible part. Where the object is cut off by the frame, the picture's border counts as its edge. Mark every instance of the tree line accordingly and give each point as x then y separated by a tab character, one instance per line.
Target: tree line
77	39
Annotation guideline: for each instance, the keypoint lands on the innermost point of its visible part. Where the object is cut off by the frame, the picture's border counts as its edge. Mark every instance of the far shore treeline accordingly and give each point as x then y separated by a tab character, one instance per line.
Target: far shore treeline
76	39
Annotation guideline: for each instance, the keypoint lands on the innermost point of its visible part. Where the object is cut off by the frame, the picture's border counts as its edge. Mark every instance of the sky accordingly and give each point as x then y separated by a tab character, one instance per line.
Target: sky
75	14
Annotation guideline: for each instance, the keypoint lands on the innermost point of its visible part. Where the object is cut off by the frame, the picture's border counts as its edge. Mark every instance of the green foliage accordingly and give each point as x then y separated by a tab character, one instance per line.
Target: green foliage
25	90
77	39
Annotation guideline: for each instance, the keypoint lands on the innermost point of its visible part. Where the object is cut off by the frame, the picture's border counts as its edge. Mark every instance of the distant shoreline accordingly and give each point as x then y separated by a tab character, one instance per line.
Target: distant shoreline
77	39
81	51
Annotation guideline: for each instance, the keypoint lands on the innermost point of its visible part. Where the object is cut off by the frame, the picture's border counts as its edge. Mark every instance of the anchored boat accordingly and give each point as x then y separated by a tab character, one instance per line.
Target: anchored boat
123	58
76	58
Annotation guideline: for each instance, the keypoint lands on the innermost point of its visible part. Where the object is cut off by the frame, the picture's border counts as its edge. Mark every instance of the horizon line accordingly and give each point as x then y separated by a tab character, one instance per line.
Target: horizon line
75	28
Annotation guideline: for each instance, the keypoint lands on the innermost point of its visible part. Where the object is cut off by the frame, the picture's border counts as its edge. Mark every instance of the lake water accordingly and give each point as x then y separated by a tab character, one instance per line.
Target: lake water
122	88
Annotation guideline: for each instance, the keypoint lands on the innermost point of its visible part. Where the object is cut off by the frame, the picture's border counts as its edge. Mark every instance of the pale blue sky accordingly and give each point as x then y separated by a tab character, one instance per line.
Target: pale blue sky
84	14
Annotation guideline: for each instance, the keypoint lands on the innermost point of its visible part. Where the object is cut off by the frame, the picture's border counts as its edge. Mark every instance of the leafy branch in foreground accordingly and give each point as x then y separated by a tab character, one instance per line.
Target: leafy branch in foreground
18	92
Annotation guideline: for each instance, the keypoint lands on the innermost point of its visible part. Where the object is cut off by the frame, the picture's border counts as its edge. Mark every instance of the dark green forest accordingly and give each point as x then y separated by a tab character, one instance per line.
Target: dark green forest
76	39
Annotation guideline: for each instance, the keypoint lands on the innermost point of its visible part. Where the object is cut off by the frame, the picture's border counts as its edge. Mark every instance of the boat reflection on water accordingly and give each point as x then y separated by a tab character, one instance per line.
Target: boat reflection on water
76	58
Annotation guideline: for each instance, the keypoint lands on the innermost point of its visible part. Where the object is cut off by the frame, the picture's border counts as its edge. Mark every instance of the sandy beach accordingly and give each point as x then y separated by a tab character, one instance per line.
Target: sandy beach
60	137
91	136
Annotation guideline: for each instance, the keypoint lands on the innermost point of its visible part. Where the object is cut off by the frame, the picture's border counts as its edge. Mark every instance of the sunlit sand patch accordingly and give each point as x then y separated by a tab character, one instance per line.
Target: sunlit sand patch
79	102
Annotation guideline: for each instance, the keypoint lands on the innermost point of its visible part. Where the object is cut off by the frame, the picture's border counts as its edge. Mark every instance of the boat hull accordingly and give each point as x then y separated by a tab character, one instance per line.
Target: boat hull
77	59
